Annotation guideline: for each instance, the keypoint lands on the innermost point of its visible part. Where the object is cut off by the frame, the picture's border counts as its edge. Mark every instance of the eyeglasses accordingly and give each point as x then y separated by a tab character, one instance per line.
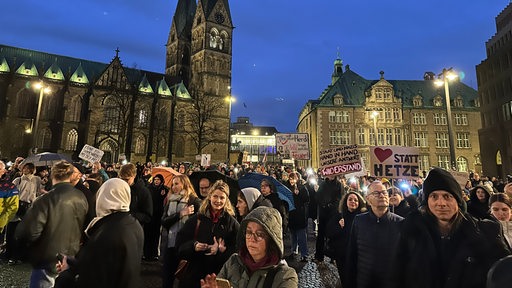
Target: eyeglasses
379	193
257	236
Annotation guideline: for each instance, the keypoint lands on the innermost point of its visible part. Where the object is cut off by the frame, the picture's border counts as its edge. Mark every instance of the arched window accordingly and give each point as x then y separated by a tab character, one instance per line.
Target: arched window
162	119
179	149
462	164
140	144
44	138
71	140
112	116
73	112
438	101
143	118
109	147
26	104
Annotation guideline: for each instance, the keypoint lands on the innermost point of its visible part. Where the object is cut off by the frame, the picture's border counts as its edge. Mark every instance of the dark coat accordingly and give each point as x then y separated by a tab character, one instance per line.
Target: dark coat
298	218
477	209
339	237
424	260
280	205
53	224
371	247
402	209
141	205
200	264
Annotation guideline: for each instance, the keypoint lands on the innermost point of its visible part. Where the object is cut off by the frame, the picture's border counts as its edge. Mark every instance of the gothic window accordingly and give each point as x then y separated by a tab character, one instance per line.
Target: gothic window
48	107
73	111
26	104
111	117
44	138
215	39
140	144
417	101
179	148
438	101
109	147
162	119
180	119
71	140
142	120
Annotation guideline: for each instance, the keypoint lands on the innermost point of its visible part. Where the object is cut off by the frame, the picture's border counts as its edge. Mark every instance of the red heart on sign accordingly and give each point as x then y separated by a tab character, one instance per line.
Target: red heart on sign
382	154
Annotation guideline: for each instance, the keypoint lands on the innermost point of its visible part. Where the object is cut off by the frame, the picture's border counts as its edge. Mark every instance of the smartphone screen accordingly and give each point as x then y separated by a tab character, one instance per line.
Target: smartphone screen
223	283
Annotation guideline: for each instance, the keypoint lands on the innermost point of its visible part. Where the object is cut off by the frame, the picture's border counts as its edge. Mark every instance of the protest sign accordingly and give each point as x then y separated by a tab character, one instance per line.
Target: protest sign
394	162
91	154
293	145
340	160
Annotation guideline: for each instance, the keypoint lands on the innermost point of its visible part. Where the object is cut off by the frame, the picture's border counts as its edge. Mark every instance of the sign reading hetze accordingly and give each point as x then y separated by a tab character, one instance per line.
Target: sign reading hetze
293	145
340	160
91	154
394	162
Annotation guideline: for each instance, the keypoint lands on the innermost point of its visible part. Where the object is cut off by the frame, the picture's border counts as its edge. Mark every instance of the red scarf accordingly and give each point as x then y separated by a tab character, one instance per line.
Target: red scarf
215	215
268	260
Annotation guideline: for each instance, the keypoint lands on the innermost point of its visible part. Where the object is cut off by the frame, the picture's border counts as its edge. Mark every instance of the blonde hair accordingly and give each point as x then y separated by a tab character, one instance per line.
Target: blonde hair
206	204
187	186
127	171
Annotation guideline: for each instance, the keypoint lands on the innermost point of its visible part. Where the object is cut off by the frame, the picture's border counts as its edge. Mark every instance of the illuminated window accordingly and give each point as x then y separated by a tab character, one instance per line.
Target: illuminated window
140	144
441	140
71	140
463	140
462	164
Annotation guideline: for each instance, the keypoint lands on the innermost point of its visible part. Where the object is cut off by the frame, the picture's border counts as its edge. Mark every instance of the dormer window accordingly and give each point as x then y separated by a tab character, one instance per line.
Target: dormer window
458	101
438	101
417	101
476	102
338	100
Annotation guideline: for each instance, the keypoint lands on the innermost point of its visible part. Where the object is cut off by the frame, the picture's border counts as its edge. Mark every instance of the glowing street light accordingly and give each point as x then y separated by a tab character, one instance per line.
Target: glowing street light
443	78
42	90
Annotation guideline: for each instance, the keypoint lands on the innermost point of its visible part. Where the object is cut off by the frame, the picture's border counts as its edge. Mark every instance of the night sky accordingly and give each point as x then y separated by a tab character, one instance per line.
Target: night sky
283	51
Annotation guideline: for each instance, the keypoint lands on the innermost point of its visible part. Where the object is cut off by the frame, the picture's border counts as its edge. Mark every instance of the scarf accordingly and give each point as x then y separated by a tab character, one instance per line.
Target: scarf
268	260
215	215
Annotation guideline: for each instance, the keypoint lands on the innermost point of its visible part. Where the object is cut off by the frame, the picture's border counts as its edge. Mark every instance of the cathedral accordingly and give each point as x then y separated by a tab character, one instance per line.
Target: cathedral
58	104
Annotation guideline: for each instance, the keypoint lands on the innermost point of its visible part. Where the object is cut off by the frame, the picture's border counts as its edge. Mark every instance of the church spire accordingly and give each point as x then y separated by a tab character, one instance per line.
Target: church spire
338	67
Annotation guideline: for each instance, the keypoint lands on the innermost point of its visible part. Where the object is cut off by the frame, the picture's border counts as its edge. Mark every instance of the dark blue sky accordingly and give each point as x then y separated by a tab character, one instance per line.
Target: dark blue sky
283	51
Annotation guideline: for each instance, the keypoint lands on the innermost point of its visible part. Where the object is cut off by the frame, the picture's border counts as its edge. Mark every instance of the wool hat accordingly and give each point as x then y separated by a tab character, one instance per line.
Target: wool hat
440	179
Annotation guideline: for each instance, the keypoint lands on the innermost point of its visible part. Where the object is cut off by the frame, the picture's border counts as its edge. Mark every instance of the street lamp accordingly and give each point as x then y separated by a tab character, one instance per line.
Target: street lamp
443	78
230	99
42	89
374	116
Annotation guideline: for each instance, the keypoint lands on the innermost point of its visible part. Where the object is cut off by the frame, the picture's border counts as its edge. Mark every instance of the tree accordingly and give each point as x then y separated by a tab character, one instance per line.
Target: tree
202	124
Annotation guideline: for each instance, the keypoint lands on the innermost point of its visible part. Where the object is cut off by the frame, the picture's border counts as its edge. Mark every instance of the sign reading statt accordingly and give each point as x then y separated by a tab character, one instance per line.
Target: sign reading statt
340	160
394	162
293	145
91	154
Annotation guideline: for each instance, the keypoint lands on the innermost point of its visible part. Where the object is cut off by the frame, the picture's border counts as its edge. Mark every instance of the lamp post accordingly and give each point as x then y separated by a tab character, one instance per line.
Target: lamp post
374	116
42	89
230	99
443	78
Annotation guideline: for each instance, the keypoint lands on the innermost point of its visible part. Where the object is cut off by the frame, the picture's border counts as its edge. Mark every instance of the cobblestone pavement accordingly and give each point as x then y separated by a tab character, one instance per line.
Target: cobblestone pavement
312	275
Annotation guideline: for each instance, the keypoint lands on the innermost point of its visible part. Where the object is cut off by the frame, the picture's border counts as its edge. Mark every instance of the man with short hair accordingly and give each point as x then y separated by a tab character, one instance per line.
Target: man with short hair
53	224
141	204
441	245
372	242
204	186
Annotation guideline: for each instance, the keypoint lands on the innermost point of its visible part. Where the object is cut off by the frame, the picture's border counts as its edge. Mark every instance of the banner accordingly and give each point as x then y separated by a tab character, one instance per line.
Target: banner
340	160
394	162
90	154
293	145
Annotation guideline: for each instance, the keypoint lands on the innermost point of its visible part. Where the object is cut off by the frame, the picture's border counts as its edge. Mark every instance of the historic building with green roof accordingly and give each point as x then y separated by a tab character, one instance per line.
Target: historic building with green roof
126	112
407	113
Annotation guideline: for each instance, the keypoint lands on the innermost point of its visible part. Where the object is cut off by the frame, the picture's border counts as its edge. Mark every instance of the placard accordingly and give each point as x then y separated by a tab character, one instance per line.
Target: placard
293	146
340	160
394	162
91	154
205	160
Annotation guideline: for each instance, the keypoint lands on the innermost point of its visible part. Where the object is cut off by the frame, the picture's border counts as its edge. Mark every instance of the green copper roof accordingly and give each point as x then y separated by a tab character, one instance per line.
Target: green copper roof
54	72
144	86
4	66
28	68
79	76
163	88
181	91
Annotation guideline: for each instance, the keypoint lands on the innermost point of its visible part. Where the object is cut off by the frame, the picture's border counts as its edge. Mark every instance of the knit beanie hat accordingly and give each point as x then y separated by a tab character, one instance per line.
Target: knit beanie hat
440	179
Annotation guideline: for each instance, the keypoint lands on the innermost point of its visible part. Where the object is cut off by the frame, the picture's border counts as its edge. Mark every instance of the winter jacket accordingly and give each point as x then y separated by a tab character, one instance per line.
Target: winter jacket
281	206
298	218
402	209
477	209
371	246
427	260
53	224
200	264
141	205
235	270
339	237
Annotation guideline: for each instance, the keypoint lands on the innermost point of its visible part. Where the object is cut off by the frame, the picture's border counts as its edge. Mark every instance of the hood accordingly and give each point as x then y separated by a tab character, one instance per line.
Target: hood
270	220
486	188
251	195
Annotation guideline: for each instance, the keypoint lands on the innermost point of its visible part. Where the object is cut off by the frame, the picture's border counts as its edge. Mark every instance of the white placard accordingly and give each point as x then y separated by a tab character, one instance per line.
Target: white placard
205	160
91	154
293	146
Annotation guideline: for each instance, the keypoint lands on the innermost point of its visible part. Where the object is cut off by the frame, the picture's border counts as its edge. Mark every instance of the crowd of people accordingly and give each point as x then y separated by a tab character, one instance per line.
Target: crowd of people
93	225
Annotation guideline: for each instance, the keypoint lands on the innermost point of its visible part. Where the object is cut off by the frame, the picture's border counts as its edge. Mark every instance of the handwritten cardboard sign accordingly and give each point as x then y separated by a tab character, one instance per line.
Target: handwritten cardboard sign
394	162
91	154
340	160
293	145
460	177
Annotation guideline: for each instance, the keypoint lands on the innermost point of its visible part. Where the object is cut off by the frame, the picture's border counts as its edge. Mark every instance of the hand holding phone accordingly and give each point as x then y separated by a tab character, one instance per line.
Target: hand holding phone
223	283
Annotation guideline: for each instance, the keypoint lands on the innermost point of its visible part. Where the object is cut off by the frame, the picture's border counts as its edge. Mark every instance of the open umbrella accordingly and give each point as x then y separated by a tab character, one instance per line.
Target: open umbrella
167	172
254	180
45	159
214	175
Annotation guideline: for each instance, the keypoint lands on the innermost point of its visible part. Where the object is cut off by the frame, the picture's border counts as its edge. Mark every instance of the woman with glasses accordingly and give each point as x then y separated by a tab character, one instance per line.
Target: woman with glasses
259	261
208	238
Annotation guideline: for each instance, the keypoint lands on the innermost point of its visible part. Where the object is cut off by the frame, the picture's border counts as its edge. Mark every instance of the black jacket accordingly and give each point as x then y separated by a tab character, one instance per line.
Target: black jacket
53	224
141	205
425	260
402	209
371	247
280	205
298	218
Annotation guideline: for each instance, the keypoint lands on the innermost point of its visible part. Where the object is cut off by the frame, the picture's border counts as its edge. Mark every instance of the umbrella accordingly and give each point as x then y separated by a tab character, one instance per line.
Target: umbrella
167	172
214	175
254	180
45	159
